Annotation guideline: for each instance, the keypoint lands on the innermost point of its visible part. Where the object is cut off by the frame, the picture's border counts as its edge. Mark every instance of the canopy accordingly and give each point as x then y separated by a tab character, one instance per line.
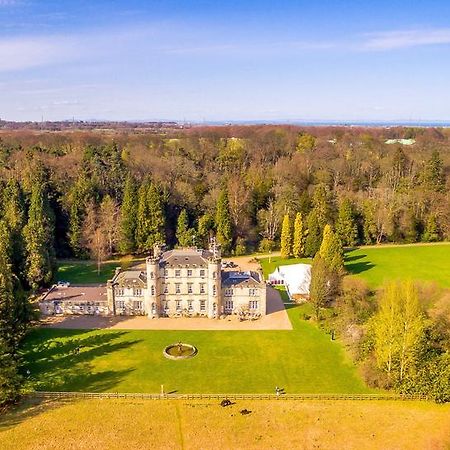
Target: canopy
295	277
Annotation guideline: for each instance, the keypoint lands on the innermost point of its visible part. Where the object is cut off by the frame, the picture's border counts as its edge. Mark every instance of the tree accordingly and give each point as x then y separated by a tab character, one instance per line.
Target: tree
298	248
269	222
205	227
109	222
128	219
305	142
151	218
346	226
370	229
94	236
286	238
184	233
320	290
398	329
331	250
433	176
431	232
224	230
38	235
314	234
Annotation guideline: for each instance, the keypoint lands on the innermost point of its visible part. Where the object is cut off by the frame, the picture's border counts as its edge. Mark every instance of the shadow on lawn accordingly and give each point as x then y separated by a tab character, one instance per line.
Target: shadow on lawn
66	365
359	267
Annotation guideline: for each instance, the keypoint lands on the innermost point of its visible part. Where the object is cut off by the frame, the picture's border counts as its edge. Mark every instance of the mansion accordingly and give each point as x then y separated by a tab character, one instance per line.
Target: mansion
187	282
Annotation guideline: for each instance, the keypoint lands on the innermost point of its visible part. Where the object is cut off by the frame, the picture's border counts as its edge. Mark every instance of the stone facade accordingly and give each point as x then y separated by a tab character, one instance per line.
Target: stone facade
186	282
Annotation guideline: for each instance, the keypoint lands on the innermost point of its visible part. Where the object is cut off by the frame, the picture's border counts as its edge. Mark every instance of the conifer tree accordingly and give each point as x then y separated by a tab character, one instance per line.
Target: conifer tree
434	173
150	219
38	235
205	226
320	291
128	217
431	232
314	235
331	250
298	248
184	233
224	230
346	227
286	238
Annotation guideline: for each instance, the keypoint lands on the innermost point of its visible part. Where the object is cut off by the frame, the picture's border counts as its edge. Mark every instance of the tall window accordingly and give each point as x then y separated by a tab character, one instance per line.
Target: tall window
177	288
178	273
190	305
120	304
137	304
119	292
202	272
229	305
166	273
178	305
253	292
202	305
137	292
214	290
253	304
166	289
152	289
202	288
189	273
190	290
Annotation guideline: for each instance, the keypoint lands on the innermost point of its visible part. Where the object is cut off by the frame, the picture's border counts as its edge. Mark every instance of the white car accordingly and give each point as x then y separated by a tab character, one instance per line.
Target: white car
63	284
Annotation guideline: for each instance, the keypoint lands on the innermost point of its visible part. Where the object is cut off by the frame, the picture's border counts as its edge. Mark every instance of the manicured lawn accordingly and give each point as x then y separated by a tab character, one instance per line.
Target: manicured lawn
415	262
203	424
85	272
379	264
301	360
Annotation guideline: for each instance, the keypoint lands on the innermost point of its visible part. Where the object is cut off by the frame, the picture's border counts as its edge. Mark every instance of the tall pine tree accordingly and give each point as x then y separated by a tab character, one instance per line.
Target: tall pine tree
224	229
346	226
128	217
184	233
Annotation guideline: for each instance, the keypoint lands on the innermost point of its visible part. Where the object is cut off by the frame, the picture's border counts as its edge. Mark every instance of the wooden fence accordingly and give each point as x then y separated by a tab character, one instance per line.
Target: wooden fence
175	396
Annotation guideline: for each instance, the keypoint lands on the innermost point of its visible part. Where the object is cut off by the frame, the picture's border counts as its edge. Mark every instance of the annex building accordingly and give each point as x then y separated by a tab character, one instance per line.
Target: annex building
187	282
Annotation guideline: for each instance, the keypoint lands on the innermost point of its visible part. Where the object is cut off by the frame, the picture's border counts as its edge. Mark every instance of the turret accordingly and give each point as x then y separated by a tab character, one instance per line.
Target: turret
152	300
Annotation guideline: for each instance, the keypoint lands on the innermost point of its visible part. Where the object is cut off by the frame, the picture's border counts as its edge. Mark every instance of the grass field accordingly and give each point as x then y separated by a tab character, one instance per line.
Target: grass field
180	424
379	264
85	272
302	360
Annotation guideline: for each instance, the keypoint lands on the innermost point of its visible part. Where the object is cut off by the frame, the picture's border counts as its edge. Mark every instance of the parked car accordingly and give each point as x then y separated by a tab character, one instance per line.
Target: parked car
63	284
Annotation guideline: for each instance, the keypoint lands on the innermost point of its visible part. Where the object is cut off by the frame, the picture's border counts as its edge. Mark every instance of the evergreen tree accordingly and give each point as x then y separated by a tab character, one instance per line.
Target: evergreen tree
434	175
151	219
184	233
370	230
321	288
38	235
346	226
128	217
323	205
331	250
314	235
298	248
431	232
205	226
14	216
224	230
286	238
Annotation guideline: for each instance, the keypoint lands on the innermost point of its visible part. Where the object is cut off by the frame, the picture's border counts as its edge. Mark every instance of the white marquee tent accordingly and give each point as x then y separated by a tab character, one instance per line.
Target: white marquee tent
295	277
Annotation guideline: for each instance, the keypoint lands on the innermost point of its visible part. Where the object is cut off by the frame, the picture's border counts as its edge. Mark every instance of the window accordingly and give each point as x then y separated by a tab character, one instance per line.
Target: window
253	292
178	273
214	290
152	289
178	305
190	305
214	274
137	292
202	305
253	304
202	272
153	308
119	304
137	304
189	273
166	306
228	292
151	275
166	289
177	288
202	288
229	305
190	288
166	273
119	292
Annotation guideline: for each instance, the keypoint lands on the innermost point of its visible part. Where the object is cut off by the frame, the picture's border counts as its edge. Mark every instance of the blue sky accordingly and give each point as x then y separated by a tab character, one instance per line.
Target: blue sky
225	60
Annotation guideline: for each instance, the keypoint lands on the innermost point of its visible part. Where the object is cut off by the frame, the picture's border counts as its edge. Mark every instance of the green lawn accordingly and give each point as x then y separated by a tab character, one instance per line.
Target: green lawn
85	272
303	360
379	264
415	262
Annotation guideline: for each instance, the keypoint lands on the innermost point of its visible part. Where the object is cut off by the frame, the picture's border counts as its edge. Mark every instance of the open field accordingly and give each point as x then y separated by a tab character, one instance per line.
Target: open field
203	424
301	360
416	262
421	262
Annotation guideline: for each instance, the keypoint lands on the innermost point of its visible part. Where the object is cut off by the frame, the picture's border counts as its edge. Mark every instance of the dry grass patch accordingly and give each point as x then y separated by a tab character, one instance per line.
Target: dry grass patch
176	424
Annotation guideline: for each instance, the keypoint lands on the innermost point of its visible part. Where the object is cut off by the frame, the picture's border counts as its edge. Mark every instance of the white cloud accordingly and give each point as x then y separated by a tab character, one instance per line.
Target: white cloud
393	40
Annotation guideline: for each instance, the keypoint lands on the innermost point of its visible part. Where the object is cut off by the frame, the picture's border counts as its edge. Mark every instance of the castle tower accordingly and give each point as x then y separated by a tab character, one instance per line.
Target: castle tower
215	308
152	298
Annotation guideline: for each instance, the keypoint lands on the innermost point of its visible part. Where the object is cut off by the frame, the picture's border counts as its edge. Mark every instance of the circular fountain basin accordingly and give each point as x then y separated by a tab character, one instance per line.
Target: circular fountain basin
180	351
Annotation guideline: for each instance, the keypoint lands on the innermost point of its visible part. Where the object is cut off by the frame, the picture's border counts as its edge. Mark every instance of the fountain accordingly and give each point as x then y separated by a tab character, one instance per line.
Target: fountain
180	351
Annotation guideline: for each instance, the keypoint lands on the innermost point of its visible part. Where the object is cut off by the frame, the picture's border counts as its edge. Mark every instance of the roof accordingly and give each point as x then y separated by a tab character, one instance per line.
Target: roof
130	278
76	294
296	278
241	279
186	257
